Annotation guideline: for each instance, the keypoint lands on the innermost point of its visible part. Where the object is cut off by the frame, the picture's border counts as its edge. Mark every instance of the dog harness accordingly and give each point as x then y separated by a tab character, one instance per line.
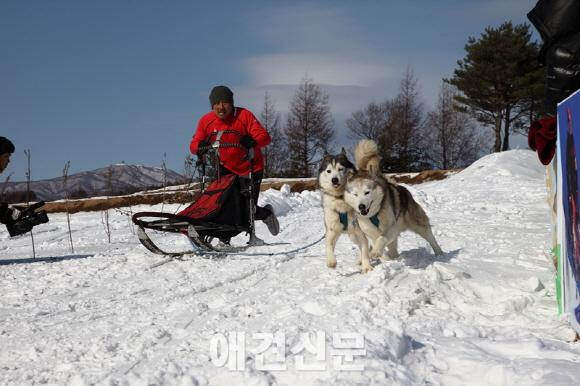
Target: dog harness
343	220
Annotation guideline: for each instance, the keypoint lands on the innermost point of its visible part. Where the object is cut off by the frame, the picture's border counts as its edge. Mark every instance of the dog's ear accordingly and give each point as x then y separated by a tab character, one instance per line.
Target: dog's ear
343	151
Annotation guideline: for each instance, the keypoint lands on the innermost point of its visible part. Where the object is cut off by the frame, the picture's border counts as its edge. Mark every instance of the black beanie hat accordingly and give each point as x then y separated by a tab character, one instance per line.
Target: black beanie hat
220	93
6	146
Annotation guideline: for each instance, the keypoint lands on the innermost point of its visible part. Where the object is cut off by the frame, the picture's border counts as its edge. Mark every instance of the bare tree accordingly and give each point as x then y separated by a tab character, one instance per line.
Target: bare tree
66	198
402	143
189	167
454	138
308	128
105	213
164	168
370	123
274	153
28	176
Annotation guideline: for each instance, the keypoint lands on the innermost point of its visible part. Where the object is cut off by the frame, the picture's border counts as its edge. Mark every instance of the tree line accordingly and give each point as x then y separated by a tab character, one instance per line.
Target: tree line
495	91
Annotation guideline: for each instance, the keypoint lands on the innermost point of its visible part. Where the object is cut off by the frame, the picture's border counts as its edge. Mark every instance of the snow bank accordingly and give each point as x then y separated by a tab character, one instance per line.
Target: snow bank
482	314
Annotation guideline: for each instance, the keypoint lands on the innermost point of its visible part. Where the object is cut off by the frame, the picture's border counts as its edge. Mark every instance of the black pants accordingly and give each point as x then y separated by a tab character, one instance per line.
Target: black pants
261	213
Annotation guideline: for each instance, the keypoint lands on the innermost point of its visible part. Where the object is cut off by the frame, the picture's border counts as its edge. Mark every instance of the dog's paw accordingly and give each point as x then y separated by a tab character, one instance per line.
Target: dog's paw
375	254
366	268
331	263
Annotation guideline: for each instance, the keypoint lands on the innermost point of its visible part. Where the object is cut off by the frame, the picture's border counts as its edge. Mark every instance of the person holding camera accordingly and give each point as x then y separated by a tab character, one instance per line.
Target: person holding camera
7	215
18	220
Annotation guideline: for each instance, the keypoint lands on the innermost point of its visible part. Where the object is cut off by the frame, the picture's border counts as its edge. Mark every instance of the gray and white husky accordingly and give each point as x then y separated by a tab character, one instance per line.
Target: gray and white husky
339	218
384	208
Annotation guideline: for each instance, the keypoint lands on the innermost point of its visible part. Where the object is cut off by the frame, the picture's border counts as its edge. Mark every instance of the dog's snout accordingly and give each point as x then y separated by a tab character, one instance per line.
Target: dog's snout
362	208
334	180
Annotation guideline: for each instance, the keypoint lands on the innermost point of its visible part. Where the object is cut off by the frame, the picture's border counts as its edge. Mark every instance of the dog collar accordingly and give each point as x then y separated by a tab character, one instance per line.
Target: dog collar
375	220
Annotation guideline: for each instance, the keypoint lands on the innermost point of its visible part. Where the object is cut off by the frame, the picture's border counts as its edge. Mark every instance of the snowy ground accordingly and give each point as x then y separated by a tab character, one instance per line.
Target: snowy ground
483	314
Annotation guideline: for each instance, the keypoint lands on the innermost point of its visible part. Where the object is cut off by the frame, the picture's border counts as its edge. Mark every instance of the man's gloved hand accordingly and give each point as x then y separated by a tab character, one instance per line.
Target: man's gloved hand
203	148
247	141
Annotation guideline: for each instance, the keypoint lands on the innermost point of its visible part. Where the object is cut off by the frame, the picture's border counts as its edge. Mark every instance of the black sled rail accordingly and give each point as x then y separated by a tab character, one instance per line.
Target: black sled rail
167	222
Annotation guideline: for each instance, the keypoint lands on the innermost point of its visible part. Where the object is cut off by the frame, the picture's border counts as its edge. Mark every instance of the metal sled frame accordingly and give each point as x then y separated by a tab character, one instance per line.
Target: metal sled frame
167	222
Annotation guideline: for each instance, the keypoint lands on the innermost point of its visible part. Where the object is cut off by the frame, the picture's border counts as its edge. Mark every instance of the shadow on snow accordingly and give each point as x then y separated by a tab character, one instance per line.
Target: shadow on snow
52	259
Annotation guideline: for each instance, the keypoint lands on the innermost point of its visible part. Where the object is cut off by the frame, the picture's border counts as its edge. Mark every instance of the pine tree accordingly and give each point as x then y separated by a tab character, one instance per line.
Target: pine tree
308	128
501	80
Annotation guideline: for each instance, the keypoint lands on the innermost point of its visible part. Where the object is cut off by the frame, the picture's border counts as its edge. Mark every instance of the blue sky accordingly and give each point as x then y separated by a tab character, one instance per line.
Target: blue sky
102	82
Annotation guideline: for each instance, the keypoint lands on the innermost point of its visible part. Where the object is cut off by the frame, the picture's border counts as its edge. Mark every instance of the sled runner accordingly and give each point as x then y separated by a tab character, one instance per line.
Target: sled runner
224	210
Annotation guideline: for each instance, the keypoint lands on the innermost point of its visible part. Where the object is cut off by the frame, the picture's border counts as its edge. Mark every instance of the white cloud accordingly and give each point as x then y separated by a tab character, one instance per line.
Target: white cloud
324	42
327	69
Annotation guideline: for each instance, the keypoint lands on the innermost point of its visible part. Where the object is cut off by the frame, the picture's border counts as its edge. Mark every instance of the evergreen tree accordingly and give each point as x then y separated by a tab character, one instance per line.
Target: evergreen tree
308	128
501	80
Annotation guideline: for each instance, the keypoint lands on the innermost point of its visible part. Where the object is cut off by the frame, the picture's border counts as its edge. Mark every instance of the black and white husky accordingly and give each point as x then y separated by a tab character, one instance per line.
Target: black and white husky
384	209
339	218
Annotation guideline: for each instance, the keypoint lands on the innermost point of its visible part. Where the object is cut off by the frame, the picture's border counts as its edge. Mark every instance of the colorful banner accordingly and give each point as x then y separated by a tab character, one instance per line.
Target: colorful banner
569	205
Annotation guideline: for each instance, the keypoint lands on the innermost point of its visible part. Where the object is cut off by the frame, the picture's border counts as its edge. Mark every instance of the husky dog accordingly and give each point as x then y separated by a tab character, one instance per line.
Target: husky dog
338	216
384	209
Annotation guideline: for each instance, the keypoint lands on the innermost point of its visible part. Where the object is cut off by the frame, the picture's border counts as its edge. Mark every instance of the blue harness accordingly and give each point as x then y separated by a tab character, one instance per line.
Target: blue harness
344	220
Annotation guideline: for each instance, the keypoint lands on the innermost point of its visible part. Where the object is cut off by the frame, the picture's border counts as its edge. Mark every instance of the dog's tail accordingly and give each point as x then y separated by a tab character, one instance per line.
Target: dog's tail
366	155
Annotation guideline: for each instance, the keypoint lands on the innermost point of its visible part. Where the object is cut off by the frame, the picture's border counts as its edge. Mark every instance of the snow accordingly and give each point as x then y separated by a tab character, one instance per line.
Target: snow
483	314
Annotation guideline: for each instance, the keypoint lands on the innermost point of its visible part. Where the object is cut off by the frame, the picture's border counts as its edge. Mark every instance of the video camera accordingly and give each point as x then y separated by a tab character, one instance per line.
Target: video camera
28	219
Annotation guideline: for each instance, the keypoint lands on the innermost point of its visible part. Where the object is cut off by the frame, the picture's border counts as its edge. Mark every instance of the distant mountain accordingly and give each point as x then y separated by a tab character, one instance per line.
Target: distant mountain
112	180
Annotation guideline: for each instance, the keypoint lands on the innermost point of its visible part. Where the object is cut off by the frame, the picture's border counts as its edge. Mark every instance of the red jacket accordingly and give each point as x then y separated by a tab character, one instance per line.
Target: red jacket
232	158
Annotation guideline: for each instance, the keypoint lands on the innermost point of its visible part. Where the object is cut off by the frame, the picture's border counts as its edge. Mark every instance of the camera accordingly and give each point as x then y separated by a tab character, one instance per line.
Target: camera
28	219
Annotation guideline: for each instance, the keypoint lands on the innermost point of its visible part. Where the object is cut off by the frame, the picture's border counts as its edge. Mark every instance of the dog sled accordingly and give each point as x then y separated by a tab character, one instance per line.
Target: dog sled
224	209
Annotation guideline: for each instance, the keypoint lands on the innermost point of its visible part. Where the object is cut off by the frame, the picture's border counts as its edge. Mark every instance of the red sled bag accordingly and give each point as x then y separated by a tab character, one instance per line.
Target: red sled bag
225	201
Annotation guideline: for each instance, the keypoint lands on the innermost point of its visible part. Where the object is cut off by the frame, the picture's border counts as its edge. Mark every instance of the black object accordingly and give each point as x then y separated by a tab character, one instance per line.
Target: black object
557	23
6	146
562	69
203	148
221	94
247	141
28	219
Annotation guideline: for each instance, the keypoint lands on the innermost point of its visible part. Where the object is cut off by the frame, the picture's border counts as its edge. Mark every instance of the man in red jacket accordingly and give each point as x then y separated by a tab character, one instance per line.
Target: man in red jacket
229	124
